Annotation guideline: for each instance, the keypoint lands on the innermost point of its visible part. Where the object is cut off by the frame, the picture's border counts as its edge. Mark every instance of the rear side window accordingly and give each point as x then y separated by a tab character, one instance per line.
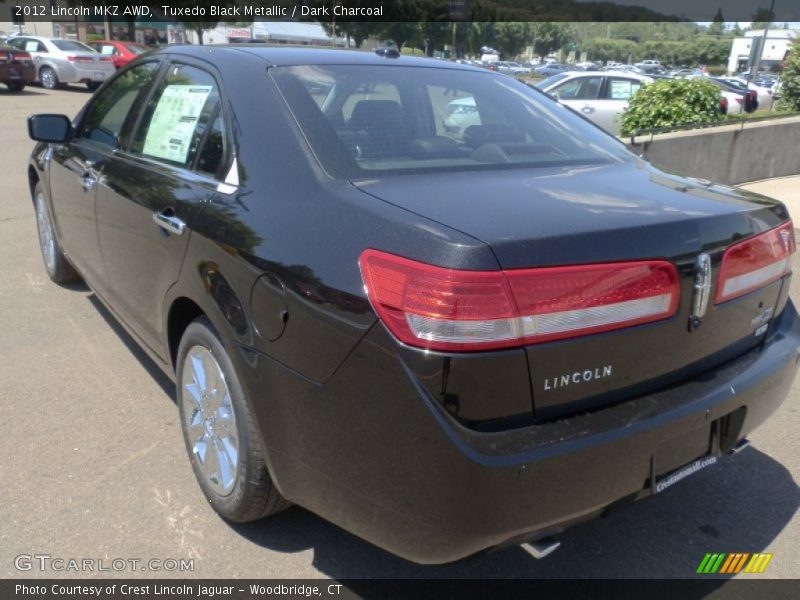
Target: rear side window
108	112
174	122
622	89
212	153
71	46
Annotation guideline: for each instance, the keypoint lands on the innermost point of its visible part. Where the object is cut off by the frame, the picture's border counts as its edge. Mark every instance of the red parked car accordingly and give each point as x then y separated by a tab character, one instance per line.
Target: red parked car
121	52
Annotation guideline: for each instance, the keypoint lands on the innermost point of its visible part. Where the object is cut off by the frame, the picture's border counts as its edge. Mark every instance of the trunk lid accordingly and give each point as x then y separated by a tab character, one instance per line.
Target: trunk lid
574	216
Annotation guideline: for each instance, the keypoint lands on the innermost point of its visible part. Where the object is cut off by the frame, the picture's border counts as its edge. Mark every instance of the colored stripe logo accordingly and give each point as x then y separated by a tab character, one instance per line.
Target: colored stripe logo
731	563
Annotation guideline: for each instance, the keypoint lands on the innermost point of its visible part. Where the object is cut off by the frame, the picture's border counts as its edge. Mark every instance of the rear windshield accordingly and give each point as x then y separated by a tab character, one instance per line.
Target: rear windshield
70	46
136	49
364	120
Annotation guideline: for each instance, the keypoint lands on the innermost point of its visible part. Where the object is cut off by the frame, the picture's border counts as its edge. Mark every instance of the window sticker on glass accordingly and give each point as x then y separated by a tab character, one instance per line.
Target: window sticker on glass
174	122
621	90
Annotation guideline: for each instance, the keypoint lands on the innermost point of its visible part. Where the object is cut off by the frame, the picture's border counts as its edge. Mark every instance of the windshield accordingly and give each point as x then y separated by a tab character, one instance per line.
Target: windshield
70	46
545	84
363	120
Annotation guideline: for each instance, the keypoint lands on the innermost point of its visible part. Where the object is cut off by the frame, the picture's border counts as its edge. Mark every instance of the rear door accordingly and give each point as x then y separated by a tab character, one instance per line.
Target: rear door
614	99
76	167
154	189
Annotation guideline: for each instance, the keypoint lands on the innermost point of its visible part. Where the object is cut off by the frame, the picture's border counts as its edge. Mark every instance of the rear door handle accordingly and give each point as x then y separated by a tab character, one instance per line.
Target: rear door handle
169	222
587	110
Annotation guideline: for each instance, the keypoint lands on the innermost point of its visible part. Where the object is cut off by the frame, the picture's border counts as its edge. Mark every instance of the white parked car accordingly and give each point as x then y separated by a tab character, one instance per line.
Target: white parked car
765	94
648	64
460	114
600	96
59	62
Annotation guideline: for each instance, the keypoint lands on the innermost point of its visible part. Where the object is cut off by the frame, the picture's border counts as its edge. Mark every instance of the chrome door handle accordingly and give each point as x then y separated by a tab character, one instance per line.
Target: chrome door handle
169	222
587	110
88	182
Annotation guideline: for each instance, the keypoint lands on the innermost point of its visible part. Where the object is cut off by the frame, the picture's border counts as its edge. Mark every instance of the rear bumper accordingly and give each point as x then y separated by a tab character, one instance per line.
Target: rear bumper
373	452
17	72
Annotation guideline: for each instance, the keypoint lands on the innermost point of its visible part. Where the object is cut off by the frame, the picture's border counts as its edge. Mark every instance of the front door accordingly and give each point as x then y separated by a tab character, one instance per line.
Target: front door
77	167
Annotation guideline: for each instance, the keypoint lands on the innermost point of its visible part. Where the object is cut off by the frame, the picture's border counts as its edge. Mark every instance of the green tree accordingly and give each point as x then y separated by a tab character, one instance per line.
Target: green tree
790	80
199	27
511	38
606	49
672	103
762	19
717	26
549	36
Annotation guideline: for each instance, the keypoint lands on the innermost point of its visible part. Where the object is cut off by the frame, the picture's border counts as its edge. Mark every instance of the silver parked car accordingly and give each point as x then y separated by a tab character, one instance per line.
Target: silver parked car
600	96
59	62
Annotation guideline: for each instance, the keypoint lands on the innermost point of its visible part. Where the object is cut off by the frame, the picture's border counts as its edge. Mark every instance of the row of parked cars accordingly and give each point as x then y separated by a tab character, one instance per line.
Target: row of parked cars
601	94
54	63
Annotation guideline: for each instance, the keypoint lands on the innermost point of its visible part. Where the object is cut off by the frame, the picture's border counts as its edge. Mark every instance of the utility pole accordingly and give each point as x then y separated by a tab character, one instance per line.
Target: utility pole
757	62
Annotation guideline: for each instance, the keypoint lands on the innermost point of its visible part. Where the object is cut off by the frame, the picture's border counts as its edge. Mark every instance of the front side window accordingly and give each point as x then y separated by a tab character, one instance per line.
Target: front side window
361	120
580	88
108	112
174	123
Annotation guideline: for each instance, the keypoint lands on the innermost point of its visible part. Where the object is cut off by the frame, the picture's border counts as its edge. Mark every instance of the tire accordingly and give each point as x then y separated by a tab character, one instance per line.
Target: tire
49	79
15	86
93	85
55	263
215	418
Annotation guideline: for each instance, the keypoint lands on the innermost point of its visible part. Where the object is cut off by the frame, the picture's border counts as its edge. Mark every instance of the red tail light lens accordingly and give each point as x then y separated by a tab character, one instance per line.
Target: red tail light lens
445	309
73	58
755	262
22	56
3	56
106	59
723	105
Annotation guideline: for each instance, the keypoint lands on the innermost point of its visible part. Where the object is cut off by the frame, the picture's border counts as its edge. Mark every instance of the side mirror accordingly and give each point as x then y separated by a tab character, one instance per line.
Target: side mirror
49	128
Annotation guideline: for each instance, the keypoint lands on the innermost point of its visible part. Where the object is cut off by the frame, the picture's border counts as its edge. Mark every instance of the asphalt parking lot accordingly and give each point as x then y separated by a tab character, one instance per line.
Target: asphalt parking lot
93	464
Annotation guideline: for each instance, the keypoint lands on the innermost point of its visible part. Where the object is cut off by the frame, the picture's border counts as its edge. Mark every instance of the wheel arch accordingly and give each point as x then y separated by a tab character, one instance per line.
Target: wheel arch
182	312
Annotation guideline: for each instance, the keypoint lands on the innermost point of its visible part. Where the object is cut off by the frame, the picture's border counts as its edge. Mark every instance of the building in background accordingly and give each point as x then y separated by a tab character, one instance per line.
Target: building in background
775	47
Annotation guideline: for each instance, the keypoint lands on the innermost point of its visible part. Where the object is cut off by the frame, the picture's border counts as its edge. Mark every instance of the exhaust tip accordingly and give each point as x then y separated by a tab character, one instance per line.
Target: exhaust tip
744	443
541	548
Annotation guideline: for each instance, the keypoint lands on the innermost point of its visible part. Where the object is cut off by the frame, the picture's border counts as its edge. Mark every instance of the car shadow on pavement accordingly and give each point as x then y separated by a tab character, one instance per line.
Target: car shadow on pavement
4	91
740	505
164	382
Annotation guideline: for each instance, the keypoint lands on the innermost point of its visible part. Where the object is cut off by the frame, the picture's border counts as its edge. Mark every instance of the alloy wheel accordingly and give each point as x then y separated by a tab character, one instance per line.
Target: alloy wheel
210	422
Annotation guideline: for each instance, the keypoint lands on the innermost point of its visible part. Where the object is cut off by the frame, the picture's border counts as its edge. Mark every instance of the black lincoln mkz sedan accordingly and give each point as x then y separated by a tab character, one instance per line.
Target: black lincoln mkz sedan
420	299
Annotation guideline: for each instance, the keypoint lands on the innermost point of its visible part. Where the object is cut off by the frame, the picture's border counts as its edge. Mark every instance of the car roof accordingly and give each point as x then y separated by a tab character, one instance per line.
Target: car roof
295	56
628	74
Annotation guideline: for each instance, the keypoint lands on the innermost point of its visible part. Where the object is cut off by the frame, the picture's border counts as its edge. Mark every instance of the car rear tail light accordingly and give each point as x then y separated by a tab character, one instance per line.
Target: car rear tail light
755	262
73	58
3	56
106	59
723	105
739	100
446	309
22	56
